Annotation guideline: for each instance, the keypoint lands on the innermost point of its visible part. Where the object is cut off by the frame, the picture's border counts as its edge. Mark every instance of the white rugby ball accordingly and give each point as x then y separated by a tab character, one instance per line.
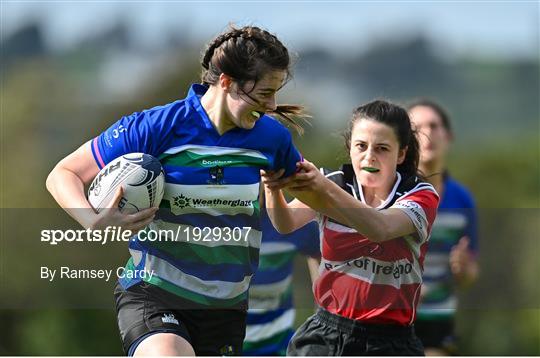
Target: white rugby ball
141	177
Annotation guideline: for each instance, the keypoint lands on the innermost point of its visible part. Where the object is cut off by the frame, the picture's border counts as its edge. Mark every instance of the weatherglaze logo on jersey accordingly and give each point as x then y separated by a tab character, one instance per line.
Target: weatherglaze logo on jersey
181	201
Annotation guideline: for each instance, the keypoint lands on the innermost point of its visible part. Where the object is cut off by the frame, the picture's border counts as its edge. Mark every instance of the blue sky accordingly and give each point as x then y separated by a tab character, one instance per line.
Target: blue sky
486	28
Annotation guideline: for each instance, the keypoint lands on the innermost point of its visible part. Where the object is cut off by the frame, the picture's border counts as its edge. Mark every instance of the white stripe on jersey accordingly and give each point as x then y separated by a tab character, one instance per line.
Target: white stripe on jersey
214	289
455	221
271	289
436	264
215	151
276	248
259	332
446	307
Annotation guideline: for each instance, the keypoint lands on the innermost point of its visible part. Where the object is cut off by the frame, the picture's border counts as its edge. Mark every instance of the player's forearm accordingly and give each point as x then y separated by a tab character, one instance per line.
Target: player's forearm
334	202
279	212
68	191
313	266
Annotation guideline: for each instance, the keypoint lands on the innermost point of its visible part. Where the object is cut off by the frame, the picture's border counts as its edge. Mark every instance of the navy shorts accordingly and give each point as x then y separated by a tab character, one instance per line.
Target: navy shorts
437	334
145	309
326	334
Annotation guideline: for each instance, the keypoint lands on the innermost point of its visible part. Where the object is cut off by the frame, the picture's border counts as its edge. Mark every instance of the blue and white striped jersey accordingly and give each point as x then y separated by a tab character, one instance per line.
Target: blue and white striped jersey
211	181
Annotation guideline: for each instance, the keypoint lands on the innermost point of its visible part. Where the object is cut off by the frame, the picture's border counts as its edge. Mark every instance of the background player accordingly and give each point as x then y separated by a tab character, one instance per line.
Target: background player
270	320
451	258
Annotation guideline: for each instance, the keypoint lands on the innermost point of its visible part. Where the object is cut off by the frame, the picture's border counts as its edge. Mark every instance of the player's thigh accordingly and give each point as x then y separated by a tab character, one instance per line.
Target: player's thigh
220	332
164	344
141	316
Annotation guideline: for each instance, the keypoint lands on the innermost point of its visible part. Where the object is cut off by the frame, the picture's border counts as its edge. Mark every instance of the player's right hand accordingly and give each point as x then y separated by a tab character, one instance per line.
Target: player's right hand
273	180
111	216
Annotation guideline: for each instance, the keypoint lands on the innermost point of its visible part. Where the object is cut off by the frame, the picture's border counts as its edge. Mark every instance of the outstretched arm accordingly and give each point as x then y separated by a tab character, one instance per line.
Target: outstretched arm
313	189
286	217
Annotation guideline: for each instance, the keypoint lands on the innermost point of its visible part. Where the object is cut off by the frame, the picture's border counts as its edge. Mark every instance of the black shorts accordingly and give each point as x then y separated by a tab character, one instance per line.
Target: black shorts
437	334
144	308
326	334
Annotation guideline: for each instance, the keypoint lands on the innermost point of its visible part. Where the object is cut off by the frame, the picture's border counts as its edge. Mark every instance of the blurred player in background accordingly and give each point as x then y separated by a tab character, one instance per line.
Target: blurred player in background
270	320
451	259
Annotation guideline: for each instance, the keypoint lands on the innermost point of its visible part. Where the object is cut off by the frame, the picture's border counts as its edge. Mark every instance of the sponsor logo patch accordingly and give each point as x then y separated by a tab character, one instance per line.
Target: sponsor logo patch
227	350
169	318
181	201
370	266
217	175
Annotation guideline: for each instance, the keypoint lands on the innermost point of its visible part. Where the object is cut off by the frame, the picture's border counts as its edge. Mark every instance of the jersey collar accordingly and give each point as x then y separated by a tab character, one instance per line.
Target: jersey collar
196	91
358	191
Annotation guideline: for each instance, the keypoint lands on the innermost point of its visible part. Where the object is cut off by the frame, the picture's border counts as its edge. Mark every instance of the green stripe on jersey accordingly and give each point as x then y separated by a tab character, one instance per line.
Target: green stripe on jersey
212	150
275	261
435	315
276	338
129	265
209	156
217	289
257	208
226	254
165	204
191	159
195	297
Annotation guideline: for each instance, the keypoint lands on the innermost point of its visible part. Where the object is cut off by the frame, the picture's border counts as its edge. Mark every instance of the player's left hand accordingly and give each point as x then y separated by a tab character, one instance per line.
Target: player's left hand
307	178
462	262
274	180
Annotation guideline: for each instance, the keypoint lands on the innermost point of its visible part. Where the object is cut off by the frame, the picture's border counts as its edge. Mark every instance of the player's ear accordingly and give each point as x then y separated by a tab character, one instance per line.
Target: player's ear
225	82
401	155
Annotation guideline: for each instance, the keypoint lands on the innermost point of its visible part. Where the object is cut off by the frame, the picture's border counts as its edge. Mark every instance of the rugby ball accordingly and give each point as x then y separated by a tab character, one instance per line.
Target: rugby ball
140	175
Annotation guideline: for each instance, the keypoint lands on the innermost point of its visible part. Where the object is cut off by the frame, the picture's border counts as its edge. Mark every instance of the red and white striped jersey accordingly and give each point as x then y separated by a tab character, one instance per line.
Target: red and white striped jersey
376	282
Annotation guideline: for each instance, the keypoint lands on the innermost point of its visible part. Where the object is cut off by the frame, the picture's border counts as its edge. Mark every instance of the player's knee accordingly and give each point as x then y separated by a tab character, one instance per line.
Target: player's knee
435	352
164	344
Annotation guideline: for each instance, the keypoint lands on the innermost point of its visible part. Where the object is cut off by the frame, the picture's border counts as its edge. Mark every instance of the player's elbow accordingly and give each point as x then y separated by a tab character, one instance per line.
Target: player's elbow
284	230
52	179
282	227
49	182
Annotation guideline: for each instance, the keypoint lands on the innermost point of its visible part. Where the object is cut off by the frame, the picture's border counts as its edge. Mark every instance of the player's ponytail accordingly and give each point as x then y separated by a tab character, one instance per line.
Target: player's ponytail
247	54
